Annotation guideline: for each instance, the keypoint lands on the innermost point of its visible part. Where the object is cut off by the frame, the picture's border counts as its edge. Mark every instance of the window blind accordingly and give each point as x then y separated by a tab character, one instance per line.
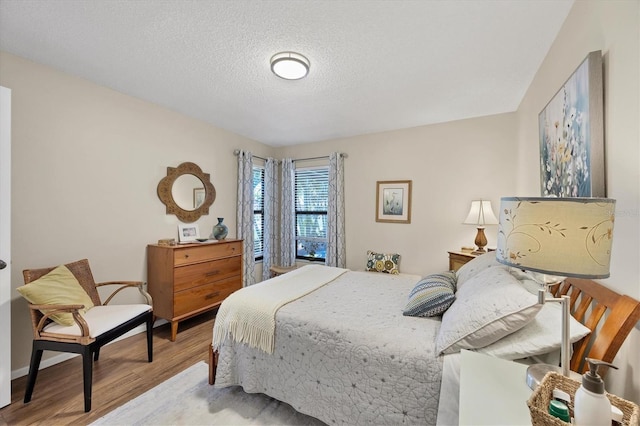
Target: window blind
311	201
258	211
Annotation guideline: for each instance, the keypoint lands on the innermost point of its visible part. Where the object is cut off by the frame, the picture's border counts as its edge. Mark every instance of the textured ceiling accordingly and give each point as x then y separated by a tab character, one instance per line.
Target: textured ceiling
375	65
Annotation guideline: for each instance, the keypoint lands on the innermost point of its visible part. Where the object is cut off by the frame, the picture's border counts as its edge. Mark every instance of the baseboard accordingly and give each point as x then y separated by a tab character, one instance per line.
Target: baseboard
65	356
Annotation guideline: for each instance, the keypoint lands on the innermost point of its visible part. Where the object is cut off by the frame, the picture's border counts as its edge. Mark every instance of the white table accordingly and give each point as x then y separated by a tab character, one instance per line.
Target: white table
493	391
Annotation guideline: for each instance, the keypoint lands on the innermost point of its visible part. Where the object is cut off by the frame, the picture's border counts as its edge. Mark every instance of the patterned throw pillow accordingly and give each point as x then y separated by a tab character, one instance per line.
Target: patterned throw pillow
383	262
432	295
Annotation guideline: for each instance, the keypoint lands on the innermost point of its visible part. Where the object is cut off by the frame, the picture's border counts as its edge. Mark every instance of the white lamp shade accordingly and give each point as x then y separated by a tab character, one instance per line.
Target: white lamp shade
481	214
569	237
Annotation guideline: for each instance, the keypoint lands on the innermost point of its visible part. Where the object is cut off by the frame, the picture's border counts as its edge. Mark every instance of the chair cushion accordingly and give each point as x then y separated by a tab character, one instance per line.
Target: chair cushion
101	319
58	287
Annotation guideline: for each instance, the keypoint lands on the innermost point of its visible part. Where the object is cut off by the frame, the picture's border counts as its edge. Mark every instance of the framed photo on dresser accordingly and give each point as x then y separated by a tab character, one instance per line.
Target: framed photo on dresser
188	233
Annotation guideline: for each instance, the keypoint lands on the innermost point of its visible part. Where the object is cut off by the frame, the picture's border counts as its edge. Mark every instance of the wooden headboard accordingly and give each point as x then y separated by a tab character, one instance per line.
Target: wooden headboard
610	317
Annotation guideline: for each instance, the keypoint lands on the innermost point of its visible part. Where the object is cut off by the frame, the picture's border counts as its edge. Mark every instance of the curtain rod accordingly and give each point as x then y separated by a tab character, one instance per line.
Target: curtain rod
236	152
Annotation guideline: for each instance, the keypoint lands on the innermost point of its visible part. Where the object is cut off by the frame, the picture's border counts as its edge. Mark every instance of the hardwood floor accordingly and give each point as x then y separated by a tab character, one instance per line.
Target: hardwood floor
121	374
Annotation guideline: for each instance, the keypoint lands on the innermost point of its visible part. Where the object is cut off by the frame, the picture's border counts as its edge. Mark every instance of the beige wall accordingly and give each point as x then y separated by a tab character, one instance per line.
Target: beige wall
449	165
613	28
86	162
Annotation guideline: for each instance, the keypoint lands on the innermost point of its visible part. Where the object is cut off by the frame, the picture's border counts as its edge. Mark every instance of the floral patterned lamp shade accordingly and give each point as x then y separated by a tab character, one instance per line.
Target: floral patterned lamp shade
568	237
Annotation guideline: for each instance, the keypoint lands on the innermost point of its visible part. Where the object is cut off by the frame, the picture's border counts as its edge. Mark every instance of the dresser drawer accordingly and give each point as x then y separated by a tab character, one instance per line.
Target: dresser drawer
204	252
190	276
196	298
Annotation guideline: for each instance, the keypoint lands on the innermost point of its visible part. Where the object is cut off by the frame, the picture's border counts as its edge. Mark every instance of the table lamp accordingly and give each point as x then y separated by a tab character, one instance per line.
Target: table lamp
480	214
551	239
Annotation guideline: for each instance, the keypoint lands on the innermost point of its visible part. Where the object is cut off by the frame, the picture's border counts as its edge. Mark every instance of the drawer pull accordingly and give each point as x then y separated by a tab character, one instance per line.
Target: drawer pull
186	256
212	295
212	273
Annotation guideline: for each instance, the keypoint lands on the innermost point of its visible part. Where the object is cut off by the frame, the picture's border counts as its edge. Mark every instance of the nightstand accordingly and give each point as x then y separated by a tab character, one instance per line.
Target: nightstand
492	391
458	258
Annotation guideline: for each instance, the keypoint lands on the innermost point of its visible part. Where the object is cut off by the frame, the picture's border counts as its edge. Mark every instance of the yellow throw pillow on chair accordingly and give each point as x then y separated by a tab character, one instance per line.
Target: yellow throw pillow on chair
58	287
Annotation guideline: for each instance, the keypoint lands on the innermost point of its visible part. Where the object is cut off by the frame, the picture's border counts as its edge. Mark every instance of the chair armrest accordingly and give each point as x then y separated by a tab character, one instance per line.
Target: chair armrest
126	284
53	309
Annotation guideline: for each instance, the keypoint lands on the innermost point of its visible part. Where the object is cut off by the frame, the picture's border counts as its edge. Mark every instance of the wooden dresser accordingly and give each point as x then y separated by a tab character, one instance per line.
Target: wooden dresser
189	279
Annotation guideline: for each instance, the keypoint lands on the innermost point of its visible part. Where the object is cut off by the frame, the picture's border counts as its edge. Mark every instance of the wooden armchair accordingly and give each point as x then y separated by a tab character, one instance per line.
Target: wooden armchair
98	326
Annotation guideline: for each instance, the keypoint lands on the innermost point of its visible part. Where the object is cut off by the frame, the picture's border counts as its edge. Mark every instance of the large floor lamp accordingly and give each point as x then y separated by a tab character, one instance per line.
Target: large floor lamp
551	239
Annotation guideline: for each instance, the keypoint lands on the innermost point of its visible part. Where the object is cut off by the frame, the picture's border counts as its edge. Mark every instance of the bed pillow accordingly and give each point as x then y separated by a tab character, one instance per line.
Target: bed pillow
543	335
527	281
383	262
58	287
477	265
488	307
432	295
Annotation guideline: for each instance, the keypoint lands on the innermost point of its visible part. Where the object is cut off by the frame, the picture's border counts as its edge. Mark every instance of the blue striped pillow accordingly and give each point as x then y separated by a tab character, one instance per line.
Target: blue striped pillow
432	295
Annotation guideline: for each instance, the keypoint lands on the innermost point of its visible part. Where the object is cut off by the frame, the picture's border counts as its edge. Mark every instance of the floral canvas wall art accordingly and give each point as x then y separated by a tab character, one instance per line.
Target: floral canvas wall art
571	135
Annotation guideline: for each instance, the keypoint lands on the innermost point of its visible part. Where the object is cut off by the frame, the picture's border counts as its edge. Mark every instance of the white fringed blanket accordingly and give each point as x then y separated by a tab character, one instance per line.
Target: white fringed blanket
248	315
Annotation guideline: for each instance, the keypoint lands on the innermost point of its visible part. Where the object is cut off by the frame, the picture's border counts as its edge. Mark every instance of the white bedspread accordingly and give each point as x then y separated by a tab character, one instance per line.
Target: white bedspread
345	354
248	316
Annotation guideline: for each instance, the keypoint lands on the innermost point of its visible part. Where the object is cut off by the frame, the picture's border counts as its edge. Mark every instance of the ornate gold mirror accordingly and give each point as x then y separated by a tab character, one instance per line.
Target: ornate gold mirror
187	192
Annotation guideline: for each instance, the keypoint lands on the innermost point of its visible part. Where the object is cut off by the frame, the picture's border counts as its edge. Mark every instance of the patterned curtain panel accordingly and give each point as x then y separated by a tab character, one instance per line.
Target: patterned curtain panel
270	229
287	215
336	250
244	214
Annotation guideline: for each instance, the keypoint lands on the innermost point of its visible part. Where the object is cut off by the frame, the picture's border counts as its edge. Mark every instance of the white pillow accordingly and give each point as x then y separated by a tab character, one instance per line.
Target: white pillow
543	335
530	284
475	266
488	307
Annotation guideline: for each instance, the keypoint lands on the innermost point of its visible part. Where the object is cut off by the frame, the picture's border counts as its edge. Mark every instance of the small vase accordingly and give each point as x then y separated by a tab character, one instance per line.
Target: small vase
220	230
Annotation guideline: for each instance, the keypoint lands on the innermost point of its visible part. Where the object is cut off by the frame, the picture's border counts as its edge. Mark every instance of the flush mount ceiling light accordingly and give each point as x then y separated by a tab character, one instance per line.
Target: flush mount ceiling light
290	65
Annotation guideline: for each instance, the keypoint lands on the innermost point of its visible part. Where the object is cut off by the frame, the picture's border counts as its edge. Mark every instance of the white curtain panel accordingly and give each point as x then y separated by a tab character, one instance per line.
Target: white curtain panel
270	230
336	249
287	215
244	214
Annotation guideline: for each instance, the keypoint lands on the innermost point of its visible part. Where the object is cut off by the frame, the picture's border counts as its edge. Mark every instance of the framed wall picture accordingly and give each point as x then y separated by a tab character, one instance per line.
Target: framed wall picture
199	195
393	201
571	129
188	232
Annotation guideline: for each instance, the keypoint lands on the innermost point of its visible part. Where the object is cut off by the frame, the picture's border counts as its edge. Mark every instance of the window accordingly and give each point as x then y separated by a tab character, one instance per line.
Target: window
258	211
312	196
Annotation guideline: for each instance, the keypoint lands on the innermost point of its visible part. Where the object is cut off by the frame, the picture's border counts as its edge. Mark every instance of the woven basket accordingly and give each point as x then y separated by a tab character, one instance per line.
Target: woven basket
539	402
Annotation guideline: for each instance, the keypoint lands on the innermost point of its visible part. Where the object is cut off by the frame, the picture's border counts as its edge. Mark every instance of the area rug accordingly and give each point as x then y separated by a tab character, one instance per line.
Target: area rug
188	399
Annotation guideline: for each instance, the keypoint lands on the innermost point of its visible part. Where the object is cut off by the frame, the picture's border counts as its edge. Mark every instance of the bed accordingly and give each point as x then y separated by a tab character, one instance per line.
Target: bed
345	353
